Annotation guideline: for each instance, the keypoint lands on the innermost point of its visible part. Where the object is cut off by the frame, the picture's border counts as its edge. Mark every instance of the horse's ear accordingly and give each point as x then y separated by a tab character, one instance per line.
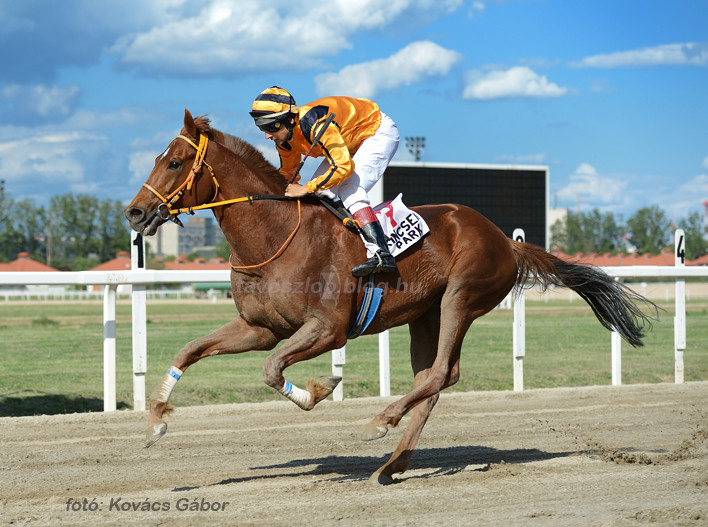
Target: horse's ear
189	125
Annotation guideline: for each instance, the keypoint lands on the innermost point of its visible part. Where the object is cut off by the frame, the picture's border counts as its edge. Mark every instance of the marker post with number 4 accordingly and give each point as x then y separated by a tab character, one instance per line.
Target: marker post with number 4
519	332
680	315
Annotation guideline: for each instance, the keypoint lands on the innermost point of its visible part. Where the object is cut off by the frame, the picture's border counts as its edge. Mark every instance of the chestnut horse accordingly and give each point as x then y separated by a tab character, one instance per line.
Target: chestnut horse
462	270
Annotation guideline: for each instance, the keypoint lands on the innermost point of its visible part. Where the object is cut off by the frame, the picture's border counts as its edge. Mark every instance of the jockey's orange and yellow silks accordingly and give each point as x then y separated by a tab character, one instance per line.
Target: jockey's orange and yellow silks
355	121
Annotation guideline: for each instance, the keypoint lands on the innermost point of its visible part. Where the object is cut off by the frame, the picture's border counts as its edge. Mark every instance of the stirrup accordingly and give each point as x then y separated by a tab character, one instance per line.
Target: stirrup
376	264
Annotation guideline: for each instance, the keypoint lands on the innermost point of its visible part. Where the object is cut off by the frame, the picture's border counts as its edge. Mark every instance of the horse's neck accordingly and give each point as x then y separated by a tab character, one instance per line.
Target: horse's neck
254	230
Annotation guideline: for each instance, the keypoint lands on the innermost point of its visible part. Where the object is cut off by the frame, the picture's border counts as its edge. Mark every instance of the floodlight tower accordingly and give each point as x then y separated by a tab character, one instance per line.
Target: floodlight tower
415	146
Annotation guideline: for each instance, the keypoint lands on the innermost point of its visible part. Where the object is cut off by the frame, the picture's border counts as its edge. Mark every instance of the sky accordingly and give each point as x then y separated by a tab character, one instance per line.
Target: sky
611	95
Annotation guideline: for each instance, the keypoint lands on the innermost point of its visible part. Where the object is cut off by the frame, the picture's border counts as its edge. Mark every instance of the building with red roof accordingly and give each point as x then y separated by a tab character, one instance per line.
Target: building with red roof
665	258
25	263
120	263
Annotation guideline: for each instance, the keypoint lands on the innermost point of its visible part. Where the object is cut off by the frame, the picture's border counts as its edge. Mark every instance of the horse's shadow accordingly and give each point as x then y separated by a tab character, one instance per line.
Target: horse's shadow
435	462
25	403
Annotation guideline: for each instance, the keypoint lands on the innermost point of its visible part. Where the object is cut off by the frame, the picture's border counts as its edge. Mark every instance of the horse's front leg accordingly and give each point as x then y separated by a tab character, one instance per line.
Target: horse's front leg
311	340
237	336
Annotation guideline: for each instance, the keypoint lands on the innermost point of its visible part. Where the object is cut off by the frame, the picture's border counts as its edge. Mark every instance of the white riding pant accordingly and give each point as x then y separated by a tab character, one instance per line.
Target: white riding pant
370	162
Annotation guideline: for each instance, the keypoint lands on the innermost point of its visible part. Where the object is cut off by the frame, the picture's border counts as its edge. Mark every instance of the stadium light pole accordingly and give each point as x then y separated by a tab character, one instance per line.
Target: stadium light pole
415	146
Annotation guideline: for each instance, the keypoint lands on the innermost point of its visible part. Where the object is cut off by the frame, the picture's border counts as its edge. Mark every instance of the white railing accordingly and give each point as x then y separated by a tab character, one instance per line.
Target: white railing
679	272
139	278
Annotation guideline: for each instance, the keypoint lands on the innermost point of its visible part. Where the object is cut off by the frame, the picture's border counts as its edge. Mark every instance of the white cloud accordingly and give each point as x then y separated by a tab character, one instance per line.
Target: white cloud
696	187
412	64
43	158
518	81
705	163
587	185
232	36
476	8
140	165
688	54
41	100
528	159
94	120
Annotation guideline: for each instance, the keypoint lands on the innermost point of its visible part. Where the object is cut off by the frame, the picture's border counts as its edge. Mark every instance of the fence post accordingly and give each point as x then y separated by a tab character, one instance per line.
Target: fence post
384	365
616	359
109	348
139	324
519	332
680	315
339	358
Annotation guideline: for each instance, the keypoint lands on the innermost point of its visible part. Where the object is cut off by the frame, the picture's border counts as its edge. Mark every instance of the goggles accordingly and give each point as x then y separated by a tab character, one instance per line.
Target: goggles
270	128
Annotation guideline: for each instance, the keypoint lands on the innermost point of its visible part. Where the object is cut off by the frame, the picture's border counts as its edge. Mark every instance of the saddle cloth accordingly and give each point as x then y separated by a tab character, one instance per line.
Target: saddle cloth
402	226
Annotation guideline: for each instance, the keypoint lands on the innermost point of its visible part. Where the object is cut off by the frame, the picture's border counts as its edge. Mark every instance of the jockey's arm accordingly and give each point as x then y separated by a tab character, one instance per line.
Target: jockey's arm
335	150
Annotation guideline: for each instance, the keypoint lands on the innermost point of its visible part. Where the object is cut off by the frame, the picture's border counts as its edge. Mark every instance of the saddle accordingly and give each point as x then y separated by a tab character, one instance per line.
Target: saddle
402	227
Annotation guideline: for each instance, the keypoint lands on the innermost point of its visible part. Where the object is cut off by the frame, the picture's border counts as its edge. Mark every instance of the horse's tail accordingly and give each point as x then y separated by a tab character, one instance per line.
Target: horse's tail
615	305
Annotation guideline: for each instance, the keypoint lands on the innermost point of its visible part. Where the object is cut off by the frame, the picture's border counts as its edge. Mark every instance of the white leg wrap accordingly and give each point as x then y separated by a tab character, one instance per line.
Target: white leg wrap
164	389
300	397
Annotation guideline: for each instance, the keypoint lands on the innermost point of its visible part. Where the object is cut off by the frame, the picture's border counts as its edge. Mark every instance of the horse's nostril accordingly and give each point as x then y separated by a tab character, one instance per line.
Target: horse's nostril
134	213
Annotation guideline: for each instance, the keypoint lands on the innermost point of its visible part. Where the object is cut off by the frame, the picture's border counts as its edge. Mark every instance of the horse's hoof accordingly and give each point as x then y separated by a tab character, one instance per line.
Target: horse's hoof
374	431
329	383
320	389
154	433
379	479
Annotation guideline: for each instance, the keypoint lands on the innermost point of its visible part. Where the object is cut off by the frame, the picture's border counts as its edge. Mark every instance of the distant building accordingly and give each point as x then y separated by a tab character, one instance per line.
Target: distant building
200	234
121	262
23	263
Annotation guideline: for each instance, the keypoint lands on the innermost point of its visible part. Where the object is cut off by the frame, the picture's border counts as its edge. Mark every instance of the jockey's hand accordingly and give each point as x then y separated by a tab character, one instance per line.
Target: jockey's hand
294	190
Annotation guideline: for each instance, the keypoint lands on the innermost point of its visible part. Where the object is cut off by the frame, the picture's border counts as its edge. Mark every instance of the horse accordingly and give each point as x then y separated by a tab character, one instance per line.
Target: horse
462	270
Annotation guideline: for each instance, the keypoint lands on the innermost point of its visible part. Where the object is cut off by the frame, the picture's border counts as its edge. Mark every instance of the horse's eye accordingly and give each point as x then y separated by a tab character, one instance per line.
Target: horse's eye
174	165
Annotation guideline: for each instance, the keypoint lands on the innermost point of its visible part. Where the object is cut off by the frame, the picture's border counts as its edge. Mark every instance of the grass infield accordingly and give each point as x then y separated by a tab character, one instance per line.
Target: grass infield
53	355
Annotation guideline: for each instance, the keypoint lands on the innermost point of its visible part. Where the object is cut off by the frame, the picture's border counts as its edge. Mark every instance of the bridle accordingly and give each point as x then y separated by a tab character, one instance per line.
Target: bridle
166	211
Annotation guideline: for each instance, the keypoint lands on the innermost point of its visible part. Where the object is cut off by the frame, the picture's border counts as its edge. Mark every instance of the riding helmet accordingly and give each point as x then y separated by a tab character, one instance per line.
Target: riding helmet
272	106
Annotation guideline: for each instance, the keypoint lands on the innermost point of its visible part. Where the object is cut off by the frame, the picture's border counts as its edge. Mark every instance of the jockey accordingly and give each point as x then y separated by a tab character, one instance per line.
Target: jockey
357	146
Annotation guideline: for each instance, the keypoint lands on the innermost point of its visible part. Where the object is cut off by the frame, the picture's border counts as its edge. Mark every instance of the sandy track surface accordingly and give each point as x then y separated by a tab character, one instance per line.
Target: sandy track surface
631	455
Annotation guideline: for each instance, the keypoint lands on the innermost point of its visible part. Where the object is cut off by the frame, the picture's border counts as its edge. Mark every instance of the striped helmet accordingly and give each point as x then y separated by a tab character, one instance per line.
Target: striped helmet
271	106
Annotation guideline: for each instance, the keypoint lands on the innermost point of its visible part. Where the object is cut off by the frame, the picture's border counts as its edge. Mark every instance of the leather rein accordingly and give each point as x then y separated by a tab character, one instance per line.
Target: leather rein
166	211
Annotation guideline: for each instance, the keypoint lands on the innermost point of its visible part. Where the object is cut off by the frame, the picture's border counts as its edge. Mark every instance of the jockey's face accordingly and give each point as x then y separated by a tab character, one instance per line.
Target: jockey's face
280	137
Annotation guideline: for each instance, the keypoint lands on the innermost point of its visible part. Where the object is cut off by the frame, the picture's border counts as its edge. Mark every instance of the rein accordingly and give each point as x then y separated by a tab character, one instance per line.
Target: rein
166	212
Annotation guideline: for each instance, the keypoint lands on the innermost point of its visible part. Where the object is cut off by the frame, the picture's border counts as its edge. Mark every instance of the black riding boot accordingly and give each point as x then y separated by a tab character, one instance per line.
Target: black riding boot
382	261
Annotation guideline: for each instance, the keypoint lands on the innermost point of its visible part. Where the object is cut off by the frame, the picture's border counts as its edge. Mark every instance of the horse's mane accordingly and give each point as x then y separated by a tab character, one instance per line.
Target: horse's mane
251	155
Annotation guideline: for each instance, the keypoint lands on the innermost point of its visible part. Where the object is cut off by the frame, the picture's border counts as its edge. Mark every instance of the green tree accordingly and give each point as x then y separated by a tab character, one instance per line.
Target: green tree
649	230
27	229
587	232
112	233
696	244
6	247
73	229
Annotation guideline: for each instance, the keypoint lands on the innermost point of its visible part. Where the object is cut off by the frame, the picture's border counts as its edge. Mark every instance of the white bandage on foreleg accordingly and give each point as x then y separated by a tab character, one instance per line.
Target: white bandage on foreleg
300	397
164	389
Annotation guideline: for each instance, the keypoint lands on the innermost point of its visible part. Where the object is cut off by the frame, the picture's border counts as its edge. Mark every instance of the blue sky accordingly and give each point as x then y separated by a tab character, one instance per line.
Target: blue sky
611	95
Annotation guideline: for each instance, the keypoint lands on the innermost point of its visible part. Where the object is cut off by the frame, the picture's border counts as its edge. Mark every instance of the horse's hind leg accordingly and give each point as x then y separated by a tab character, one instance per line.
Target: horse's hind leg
424	340
455	320
235	337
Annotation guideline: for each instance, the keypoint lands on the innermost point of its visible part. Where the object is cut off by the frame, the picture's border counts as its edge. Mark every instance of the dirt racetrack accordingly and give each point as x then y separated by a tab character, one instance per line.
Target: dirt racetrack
630	455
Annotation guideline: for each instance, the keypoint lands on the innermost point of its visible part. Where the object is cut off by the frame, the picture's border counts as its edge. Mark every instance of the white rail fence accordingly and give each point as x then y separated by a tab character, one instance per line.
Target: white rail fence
139	277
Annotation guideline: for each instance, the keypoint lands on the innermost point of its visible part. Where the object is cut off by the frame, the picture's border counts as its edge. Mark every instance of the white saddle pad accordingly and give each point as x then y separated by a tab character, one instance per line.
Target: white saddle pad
402	226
